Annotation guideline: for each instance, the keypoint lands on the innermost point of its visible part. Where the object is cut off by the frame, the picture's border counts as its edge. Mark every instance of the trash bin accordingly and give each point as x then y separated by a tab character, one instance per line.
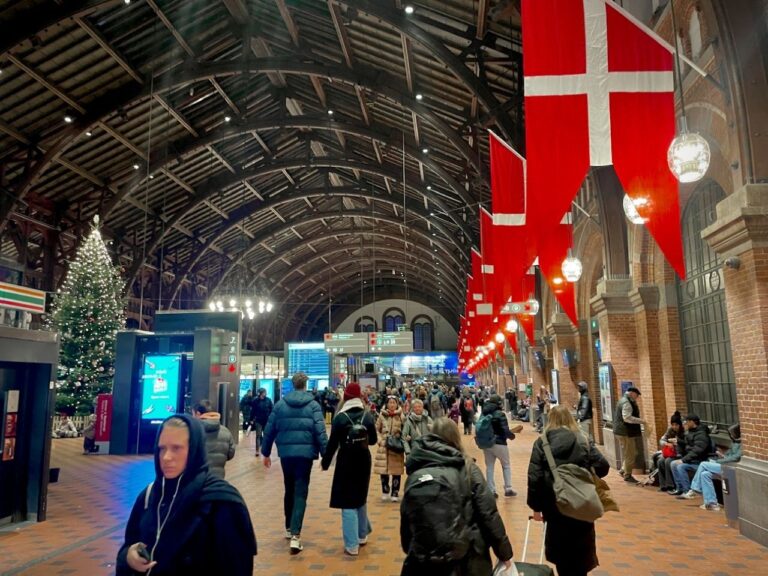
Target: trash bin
53	475
730	495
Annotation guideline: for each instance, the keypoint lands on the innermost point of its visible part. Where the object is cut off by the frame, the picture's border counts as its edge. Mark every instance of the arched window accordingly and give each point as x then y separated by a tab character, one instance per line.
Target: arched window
423	333
365	324
392	318
709	379
694	34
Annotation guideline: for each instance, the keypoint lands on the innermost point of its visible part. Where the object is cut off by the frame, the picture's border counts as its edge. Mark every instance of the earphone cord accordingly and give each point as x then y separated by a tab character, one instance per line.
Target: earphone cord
161	525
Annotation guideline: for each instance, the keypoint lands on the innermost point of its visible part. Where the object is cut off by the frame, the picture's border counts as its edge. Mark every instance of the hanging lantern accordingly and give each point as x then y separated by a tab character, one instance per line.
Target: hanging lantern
511	325
630	209
499	337
688	155
571	267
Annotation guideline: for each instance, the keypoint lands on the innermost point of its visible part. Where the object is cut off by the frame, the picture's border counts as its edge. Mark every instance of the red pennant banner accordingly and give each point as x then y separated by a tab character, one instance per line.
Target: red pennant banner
552	251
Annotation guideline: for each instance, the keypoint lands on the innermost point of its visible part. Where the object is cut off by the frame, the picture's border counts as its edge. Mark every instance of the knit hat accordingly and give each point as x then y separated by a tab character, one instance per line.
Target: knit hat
352	391
676	418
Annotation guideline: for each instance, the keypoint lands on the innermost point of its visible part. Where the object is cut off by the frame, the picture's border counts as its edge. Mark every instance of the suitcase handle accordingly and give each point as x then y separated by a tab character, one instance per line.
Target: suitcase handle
527	534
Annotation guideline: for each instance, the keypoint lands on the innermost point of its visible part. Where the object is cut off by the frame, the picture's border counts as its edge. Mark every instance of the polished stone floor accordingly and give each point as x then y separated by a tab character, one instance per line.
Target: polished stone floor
654	534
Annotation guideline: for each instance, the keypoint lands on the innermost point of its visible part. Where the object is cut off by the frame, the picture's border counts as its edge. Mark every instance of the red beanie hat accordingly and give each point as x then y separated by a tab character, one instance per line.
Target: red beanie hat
352	391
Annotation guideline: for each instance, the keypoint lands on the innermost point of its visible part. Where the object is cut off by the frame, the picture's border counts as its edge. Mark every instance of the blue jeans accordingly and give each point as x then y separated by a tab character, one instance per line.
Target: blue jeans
680	474
296	473
702	482
355	526
500	452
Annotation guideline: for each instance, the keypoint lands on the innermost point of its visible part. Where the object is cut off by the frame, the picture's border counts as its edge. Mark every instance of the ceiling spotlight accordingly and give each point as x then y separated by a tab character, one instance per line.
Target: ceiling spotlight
88	133
409	9
330	112
425	150
127	2
136	166
151	176
429	186
227	118
68	119
431	213
419	96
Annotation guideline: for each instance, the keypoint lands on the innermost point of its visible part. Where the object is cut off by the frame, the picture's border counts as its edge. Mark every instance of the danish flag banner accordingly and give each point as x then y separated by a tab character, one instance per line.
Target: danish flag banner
601	94
551	256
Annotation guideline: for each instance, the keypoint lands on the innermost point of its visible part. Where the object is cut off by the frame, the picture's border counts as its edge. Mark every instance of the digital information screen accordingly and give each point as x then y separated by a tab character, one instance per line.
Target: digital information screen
310	358
269	385
160	387
245	385
346	343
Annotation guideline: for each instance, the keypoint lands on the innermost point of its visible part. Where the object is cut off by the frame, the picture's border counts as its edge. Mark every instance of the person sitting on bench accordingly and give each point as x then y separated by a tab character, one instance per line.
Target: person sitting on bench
695	448
702	481
669	452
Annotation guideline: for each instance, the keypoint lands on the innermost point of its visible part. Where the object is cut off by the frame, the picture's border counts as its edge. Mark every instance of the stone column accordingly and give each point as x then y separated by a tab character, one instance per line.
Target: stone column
564	336
740	237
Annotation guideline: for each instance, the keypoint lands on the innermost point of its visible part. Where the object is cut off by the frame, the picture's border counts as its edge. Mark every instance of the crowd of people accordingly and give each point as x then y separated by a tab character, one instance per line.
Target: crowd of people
449	520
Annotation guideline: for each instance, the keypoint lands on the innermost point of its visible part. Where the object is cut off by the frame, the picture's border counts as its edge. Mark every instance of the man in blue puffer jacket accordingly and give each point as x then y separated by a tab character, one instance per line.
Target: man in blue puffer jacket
297	426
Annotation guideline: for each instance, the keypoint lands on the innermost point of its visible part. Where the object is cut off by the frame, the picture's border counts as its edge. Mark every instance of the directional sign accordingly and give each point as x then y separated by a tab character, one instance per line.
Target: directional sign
346	343
390	342
530	307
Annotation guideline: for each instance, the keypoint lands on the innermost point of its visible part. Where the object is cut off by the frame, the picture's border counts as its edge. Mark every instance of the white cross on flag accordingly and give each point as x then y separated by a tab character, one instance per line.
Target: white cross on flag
598	91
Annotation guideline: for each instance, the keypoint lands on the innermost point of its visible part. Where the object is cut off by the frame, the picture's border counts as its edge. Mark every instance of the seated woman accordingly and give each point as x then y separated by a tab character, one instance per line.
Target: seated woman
702	481
186	521
669	452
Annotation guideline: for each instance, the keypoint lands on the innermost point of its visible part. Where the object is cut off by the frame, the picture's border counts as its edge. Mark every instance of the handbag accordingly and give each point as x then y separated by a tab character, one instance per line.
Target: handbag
394	443
575	491
604	493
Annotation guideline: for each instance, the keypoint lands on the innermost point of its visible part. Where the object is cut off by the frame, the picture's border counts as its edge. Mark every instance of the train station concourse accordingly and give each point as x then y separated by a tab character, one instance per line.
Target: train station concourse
522	215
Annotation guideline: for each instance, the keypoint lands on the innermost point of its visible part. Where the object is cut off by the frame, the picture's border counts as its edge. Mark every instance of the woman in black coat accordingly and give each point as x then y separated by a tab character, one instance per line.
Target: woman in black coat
440	456
352	475
570	543
187	521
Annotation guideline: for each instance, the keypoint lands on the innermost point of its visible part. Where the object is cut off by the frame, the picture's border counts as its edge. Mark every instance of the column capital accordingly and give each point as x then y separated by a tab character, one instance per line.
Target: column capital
645	297
742	222
612	297
561	326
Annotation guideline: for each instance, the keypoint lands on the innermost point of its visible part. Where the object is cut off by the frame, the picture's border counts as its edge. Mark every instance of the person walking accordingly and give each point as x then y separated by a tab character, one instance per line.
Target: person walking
449	519
389	463
493	409
261	408
569	543
417	424
219	444
467	408
246	405
584	410
353	429
436	404
187	521
297	426
627	426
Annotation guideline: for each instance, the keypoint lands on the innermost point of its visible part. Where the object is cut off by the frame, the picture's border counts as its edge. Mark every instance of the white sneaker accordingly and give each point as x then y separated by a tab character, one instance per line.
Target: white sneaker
385	497
362	541
395	499
351	551
296	546
288	535
713	506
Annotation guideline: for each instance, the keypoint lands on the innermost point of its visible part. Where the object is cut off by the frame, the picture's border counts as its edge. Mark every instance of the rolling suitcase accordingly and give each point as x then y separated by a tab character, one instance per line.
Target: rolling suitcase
524	568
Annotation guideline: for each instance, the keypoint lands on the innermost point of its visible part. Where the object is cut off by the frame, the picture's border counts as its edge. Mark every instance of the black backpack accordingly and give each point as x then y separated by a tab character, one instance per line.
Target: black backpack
436	507
357	435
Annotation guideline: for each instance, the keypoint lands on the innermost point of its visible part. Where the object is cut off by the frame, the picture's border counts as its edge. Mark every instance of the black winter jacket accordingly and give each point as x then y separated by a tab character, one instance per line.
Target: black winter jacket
486	526
568	542
696	445
219	444
584	411
499	422
261	408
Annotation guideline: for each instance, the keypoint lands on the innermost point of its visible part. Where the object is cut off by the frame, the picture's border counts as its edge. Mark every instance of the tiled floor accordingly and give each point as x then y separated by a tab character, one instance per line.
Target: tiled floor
654	534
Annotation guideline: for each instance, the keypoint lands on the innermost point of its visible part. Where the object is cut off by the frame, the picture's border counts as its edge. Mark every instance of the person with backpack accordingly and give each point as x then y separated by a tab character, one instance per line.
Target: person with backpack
187	521
448	518
390	459
569	543
436	403
491	436
417	424
467	410
353	429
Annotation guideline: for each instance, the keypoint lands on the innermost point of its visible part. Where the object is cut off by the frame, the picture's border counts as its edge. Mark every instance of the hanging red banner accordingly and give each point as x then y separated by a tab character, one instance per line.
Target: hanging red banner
552	252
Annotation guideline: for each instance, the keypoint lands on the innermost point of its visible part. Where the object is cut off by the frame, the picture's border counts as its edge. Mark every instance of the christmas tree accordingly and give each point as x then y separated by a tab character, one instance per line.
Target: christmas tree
88	312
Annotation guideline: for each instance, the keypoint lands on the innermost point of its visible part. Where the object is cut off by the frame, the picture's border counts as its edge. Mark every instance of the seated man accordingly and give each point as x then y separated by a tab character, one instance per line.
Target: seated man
702	481
695	447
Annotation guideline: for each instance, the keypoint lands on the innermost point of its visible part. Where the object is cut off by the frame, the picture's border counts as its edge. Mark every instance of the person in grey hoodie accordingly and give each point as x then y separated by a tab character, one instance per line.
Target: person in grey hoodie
298	427
417	424
219	444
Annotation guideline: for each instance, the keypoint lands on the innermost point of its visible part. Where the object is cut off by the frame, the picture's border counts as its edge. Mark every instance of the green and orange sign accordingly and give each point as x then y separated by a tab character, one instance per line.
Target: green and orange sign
21	298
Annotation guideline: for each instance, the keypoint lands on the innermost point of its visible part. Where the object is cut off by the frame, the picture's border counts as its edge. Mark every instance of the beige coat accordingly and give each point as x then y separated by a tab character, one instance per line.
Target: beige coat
387	462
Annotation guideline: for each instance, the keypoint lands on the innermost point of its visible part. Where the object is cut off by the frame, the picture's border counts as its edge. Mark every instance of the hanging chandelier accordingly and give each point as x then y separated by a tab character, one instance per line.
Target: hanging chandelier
246	306
511	326
688	155
571	267
499	337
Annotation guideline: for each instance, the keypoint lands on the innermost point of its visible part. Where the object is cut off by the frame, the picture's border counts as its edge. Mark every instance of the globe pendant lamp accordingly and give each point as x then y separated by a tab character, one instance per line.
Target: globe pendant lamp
533	307
571	267
499	337
511	326
688	155
630	209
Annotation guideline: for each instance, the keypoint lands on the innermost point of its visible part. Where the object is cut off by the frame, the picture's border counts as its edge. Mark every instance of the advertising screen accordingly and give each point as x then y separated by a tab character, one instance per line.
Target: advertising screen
245	385
269	385
160	387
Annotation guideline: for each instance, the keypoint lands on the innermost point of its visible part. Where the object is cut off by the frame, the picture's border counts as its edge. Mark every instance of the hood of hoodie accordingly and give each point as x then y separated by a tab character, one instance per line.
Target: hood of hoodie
211	421
197	461
431	450
298	398
490	407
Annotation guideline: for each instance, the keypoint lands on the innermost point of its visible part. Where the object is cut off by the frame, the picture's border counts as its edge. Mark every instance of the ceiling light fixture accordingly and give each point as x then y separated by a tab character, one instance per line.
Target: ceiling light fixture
571	267
419	96
88	133
68	119
136	166
630	206
227	118
409	9
425	150
512	325
499	337
330	112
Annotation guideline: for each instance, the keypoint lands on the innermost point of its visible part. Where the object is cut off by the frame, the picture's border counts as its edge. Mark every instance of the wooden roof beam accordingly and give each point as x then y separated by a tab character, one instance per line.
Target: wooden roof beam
176	115
482	18
290	23
238	10
99	38
171	28
43	80
341	32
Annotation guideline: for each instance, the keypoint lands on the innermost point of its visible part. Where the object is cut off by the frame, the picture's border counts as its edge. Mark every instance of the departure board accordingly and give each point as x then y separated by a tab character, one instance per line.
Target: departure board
308	357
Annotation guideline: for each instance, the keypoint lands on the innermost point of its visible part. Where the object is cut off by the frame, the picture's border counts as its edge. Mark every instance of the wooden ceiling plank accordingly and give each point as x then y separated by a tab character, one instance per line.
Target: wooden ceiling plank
99	38
43	80
171	28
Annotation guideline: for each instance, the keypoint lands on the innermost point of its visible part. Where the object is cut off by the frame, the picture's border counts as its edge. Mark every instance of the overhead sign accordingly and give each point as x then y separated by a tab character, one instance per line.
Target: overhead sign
346	343
390	342
21	298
